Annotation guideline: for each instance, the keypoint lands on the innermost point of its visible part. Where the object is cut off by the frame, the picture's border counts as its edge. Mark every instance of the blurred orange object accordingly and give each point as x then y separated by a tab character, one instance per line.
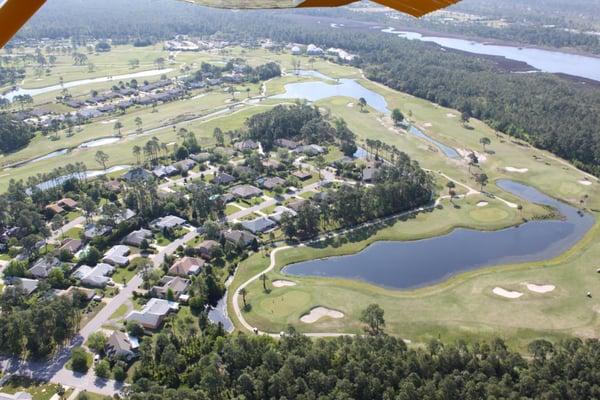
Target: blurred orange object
14	14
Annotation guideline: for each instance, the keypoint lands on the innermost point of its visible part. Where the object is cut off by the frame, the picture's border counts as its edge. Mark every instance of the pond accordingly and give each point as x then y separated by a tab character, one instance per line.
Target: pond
413	264
67	85
218	314
314	91
99	142
85	175
544	60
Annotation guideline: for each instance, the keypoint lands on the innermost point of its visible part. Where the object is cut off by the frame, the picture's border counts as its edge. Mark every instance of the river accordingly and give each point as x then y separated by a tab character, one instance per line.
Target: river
413	264
543	60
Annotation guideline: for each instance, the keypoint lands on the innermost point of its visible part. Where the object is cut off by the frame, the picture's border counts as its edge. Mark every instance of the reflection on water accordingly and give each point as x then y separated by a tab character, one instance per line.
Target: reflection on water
405	265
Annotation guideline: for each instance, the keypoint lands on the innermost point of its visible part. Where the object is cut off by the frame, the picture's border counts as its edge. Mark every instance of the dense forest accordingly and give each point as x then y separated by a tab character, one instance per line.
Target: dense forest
372	367
13	134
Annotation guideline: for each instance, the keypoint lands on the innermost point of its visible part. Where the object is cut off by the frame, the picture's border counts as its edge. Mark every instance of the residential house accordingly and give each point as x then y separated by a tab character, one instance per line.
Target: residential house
310	150
286	143
185	165
201	157
27	285
71	245
279	211
271	163
117	256
223	178
89	113
296	204
54	209
97	276
119	346
170	284
187	266
113	186
259	225
245	191
170	221
153	313
271	183
163	171
124	215
93	230
136	238
296	51
313	50
43	266
246	145
302	175
137	175
369	173
236	237
207	247
67	203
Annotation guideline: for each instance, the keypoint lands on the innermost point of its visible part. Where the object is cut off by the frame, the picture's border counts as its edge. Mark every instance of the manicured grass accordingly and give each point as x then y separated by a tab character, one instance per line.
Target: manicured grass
121	311
37	390
232	209
95	396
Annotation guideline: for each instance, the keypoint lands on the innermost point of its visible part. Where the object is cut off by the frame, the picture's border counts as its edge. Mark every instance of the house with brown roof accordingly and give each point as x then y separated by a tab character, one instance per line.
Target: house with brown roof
207	247
71	245
302	175
54	208
187	266
113	186
67	203
119	346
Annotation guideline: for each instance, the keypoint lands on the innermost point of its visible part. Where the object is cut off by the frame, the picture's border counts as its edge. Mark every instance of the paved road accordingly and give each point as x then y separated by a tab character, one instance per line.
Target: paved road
76	222
55	371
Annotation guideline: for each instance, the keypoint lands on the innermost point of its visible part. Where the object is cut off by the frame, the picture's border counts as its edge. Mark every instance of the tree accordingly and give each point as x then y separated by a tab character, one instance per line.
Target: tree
102	158
102	369
362	102
372	316
134	63
79	360
244	293
465	116
119	373
138	123
137	152
117	127
263	278
91	67
482	179
96	342
219	136
484	142
135	329
397	116
450	185
160	63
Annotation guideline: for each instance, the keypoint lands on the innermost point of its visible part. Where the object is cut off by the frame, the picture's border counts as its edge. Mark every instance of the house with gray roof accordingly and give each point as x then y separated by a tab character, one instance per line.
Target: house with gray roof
174	284
311	149
223	178
246	145
120	347
125	215
153	313
117	256
236	237
15	396
43	266
245	191
163	171
259	225
185	165
138	175
27	285
270	182
279	211
93	230
170	221
136	238
97	276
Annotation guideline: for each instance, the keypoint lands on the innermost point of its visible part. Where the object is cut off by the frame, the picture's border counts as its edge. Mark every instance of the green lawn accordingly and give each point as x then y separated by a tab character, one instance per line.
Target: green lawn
37	390
121	311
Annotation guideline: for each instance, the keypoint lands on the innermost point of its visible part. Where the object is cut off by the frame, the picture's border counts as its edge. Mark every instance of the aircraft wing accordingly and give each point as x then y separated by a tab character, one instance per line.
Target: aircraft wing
15	13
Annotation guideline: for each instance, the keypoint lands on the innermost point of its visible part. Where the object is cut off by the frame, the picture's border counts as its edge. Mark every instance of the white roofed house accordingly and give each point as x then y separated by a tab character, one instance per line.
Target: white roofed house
117	256
97	276
153	314
174	284
15	396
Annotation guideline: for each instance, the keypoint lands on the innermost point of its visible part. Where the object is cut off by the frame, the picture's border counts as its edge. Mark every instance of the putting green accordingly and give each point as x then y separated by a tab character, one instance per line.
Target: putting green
489	214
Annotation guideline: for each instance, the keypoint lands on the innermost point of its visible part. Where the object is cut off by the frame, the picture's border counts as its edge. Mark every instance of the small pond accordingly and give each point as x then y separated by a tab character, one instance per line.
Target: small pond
413	264
99	142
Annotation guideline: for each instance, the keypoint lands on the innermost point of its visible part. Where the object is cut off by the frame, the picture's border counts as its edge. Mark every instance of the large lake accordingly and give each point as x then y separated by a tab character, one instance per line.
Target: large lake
413	264
544	60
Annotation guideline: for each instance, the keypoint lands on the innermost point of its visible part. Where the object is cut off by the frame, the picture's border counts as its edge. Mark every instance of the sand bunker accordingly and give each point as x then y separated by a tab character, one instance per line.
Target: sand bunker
283	283
585	182
450	115
350	105
517	170
320	312
482	204
427	125
112	121
506	293
540	288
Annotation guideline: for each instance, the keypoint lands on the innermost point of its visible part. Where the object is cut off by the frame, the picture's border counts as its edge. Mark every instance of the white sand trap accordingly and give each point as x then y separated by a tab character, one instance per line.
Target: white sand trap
283	283
320	312
427	125
585	182
540	288
450	115
506	293
350	105
112	121
517	170
482	204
